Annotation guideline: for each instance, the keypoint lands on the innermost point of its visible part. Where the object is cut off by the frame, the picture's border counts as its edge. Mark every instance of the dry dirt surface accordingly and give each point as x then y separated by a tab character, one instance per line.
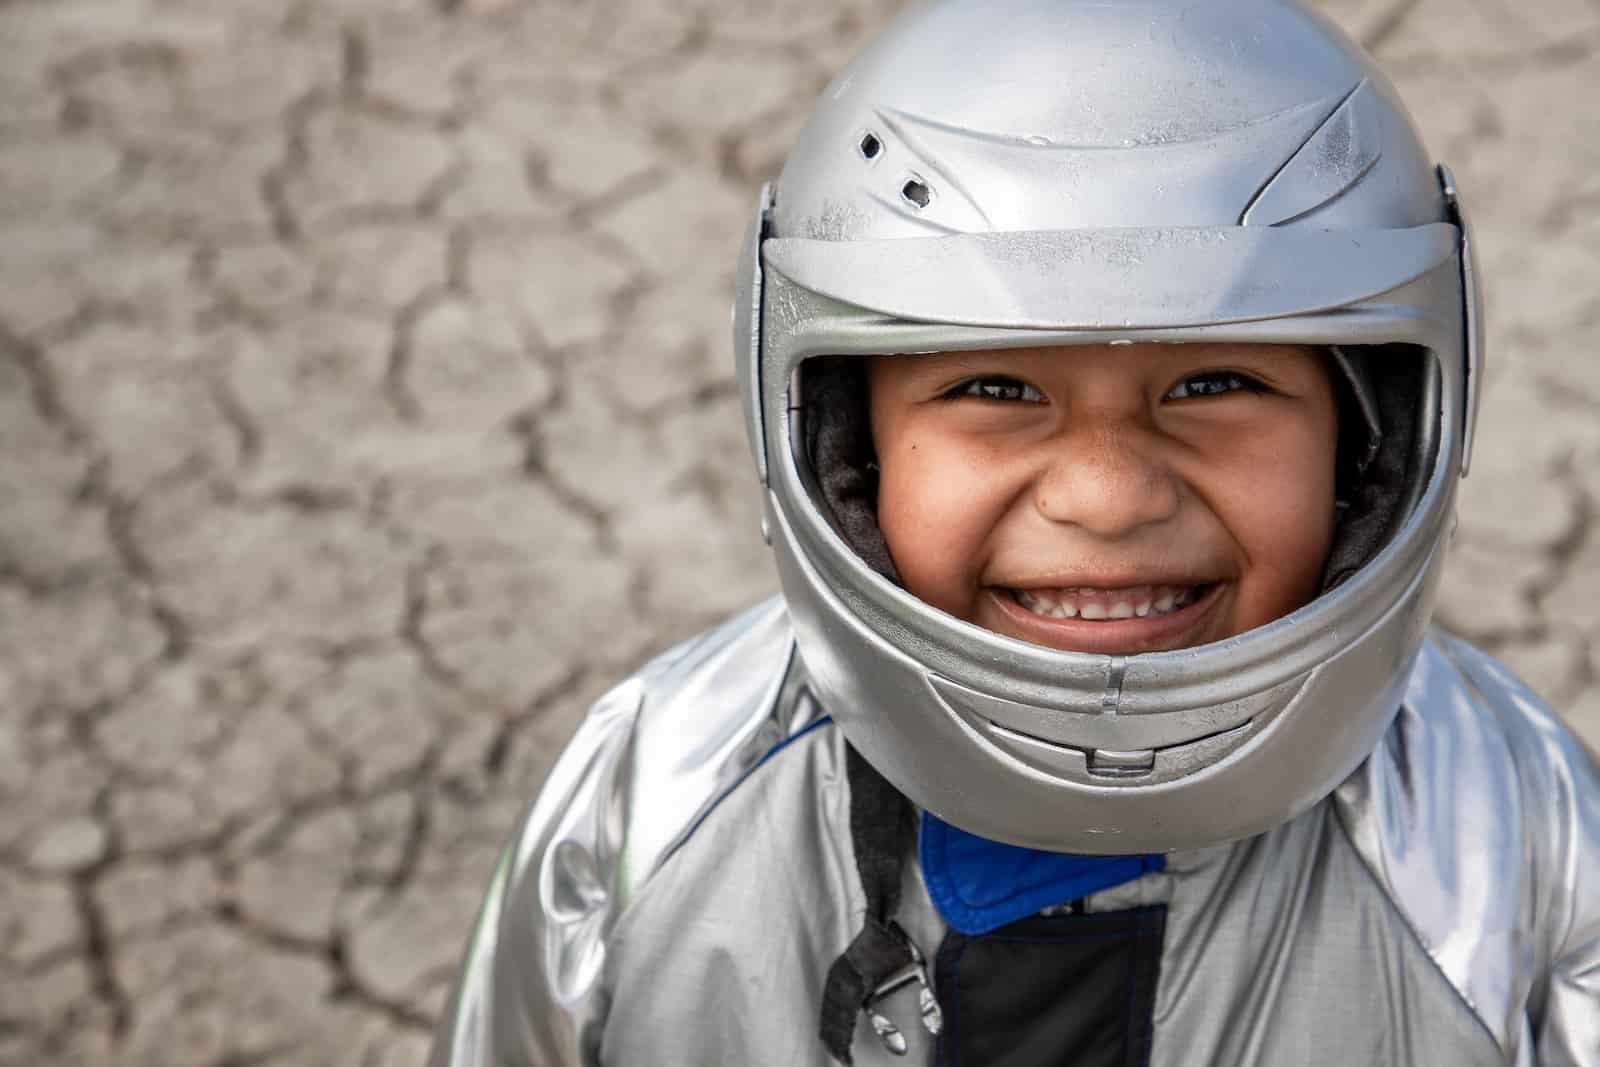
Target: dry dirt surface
366	407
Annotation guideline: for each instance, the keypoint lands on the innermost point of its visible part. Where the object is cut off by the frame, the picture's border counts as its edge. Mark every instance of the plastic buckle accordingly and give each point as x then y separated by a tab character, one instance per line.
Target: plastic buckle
914	971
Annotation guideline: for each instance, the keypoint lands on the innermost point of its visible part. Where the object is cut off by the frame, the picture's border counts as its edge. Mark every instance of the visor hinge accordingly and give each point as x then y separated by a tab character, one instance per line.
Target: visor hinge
1472	300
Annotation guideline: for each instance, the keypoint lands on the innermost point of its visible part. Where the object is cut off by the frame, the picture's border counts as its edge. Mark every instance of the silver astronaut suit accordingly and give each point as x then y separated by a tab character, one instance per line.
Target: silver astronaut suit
679	889
1379	848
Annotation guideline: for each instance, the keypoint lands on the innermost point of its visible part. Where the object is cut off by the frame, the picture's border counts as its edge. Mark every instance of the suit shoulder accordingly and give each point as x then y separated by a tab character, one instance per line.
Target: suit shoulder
1479	816
1544	751
649	756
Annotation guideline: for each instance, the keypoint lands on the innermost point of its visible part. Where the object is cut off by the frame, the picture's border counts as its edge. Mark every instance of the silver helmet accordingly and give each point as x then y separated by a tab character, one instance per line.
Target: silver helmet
1019	173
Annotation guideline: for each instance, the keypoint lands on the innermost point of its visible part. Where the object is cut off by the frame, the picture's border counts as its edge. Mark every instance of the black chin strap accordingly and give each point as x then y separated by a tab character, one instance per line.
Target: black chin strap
882	829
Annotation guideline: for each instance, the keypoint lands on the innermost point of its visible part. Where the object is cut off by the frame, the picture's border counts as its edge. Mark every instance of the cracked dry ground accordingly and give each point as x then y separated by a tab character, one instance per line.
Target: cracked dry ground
365	408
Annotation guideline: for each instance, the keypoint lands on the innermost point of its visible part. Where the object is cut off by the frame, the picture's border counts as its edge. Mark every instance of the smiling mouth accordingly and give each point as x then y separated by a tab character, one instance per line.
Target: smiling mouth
1109	605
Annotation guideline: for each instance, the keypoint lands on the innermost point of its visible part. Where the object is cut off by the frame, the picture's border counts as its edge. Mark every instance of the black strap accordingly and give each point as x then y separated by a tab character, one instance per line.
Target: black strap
882	827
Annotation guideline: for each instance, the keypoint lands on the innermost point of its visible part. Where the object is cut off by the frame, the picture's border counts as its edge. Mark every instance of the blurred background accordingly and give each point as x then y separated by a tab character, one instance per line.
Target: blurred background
366	409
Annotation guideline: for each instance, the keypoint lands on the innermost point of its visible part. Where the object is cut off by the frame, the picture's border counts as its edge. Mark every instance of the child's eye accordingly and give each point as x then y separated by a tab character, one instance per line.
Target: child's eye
997	388
1213	383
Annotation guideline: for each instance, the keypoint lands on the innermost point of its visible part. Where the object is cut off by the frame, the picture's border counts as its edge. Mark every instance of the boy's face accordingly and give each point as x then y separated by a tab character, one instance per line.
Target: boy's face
1103	498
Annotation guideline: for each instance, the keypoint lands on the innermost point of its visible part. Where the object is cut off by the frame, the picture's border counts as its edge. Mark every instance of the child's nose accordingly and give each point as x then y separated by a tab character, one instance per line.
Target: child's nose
1108	479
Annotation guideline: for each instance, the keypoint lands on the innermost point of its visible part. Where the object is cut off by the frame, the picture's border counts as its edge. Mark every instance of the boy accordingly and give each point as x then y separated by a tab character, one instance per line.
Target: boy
1110	369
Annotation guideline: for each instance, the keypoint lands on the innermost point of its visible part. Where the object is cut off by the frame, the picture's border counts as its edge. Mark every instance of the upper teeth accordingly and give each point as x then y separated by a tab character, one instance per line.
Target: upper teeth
1134	601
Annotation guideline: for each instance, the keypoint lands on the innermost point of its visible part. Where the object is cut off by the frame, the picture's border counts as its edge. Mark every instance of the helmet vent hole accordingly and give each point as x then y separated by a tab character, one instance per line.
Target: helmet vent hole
870	147
916	193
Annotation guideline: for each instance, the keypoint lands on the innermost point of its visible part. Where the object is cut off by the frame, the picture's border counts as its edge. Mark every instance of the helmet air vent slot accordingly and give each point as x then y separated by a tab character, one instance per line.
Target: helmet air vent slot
1081	743
869	146
1109	763
1121	767
916	192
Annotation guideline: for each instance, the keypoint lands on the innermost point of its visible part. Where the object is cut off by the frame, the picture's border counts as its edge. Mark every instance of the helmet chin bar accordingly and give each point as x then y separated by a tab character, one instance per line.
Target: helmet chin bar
1092	750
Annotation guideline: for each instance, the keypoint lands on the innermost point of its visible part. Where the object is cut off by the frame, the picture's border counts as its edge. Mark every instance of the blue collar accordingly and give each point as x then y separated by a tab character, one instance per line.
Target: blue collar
980	885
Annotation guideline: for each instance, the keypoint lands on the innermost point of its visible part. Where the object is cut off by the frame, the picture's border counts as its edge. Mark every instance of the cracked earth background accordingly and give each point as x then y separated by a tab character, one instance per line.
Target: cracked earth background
366	408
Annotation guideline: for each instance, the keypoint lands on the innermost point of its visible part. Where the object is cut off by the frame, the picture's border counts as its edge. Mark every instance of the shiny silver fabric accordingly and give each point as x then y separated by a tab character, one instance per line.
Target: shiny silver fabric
1052	172
1442	906
649	756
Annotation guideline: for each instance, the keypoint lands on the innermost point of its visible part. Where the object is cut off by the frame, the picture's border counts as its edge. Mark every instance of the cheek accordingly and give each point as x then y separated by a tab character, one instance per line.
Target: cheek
937	507
1281	515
